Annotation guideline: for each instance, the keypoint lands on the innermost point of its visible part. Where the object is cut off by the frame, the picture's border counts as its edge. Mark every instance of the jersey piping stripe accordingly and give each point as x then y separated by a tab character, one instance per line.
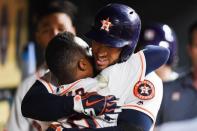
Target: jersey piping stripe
152	116
142	62
71	86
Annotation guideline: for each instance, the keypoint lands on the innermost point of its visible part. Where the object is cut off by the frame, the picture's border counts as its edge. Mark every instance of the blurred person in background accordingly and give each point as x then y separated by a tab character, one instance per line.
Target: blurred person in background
13	33
162	35
33	53
53	17
178	110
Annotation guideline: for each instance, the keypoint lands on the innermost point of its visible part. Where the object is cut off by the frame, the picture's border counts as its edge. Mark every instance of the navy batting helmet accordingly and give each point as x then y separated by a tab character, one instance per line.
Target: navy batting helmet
117	25
162	35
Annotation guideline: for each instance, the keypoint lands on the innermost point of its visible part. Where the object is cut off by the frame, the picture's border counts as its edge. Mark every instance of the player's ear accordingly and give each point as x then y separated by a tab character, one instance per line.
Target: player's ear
82	64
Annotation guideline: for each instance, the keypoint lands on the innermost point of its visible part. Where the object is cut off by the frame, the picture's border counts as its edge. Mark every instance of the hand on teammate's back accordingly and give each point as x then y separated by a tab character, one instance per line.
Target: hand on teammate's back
93	104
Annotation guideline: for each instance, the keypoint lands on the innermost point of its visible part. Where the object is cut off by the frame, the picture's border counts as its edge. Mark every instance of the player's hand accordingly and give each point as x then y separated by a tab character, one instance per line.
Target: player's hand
55	127
93	104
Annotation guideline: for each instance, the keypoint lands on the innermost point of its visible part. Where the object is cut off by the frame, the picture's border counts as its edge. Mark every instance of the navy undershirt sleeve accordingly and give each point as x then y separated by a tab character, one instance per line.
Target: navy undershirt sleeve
155	57
140	120
39	104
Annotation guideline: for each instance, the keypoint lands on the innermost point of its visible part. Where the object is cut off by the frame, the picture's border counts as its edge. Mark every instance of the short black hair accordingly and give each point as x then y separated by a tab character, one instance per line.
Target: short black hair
48	7
191	30
62	56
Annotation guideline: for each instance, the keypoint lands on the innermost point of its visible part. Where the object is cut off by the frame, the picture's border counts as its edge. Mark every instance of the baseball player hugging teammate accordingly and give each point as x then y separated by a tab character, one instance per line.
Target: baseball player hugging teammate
76	102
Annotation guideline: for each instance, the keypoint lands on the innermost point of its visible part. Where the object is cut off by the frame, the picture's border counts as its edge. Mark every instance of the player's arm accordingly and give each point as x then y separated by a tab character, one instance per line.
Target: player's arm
155	57
98	129
137	121
39	104
121	127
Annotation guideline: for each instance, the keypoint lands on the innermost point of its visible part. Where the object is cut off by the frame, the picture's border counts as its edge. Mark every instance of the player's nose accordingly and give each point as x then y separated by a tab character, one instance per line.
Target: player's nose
102	51
102	54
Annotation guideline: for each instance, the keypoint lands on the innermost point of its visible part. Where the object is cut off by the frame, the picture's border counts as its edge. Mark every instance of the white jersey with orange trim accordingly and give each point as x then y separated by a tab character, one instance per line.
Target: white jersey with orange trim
119	80
146	96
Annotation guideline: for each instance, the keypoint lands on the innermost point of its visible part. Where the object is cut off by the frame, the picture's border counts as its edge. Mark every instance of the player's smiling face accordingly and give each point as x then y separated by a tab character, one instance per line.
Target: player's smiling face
104	56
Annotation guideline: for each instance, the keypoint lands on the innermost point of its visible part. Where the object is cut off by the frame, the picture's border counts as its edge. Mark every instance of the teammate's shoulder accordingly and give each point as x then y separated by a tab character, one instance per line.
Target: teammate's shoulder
30	79
28	82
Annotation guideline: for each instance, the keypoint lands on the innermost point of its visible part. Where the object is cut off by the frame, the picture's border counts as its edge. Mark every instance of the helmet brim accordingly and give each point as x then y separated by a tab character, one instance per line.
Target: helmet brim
109	40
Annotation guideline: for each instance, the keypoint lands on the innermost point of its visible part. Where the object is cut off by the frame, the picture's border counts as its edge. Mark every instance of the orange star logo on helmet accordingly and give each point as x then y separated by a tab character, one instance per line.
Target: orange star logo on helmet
106	24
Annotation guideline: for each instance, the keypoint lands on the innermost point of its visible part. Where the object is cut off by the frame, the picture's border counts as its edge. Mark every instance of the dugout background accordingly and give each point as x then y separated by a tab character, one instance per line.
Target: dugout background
16	30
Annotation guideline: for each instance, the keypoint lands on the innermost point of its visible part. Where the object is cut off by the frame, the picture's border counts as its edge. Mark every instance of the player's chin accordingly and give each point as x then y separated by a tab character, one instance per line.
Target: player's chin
101	67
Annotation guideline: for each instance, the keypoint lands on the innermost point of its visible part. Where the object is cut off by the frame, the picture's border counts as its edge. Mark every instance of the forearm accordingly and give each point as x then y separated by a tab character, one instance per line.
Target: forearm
39	104
135	119
120	127
128	120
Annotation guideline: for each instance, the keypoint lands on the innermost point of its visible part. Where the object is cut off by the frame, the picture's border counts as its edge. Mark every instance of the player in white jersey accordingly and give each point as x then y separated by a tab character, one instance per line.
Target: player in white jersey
130	96
123	48
107	83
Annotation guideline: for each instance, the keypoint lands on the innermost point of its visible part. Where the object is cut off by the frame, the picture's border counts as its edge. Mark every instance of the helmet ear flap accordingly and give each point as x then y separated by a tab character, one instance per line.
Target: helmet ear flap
127	51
